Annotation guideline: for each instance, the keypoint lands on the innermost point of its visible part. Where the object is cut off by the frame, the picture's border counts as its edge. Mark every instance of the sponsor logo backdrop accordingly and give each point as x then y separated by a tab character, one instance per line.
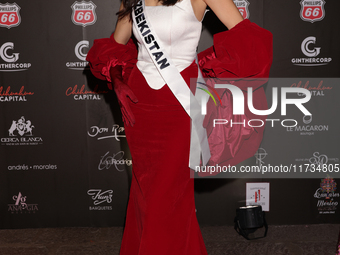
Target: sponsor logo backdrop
64	159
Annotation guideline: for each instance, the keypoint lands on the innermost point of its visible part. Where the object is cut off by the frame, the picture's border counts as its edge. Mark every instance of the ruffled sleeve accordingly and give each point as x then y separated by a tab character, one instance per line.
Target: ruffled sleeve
245	51
106	52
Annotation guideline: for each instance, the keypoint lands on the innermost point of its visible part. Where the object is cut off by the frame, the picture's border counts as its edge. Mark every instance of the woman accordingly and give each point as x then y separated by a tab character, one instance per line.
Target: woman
161	217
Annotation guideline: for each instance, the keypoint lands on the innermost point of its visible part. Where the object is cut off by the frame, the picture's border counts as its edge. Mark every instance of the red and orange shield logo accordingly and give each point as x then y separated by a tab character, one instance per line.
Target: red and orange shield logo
83	13
9	15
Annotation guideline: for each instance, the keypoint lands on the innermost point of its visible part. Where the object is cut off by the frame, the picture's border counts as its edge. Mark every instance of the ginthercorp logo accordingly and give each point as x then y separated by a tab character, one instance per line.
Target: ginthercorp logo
239	103
311	50
100	199
114	159
9	15
242	6
328	199
20	205
83	13
11	95
312	10
8	55
80	50
21	133
105	133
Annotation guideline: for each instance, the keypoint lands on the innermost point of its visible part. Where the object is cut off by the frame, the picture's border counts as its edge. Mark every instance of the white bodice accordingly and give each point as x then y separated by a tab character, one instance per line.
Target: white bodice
179	32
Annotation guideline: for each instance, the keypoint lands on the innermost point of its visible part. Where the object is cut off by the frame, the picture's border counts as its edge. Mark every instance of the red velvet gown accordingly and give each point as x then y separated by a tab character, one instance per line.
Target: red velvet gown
161	217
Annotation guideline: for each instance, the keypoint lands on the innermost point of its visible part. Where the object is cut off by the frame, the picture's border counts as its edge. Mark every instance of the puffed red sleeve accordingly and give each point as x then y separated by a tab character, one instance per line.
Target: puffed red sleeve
106	53
245	51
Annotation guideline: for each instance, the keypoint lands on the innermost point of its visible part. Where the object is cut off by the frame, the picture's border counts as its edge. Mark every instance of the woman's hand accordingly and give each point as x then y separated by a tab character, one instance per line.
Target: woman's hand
124	94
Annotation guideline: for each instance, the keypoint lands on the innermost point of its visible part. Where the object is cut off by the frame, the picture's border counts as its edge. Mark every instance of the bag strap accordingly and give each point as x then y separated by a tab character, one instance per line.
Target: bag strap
167	69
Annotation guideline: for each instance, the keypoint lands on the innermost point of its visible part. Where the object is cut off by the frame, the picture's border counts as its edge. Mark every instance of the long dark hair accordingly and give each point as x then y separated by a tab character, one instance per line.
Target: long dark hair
129	4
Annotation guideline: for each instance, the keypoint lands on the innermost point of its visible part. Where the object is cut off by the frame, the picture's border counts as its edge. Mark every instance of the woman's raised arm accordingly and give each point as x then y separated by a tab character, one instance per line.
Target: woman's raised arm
123	29
225	10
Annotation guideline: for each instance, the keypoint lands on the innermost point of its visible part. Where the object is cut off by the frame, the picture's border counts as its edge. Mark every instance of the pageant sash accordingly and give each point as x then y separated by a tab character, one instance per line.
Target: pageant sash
199	141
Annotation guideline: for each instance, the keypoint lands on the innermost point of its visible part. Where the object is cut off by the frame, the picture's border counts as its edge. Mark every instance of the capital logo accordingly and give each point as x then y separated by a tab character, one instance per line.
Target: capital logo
312	10
307	49
21	127
260	155
9	15
83	13
242	6
6	54
79	50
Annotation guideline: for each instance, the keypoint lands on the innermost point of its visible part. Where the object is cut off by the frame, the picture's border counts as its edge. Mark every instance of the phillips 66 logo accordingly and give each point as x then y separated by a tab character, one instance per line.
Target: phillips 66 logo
312	10
242	6
83	13
9	15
